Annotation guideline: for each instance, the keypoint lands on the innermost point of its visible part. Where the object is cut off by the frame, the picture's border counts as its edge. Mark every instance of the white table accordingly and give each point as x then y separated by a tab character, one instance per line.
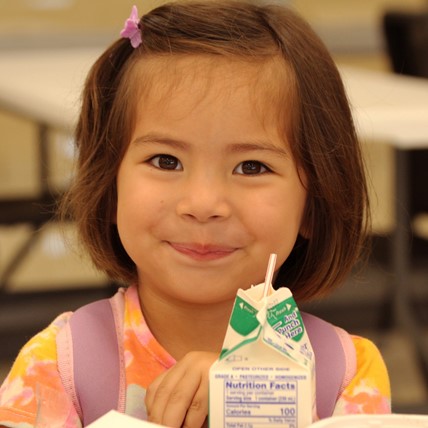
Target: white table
45	86
389	107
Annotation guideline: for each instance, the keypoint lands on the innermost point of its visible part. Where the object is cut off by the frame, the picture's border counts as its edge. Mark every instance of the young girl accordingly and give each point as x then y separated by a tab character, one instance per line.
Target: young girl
211	135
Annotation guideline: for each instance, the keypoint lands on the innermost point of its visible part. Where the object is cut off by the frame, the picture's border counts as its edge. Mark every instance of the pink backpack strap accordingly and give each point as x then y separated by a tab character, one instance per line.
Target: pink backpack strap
335	361
351	358
91	358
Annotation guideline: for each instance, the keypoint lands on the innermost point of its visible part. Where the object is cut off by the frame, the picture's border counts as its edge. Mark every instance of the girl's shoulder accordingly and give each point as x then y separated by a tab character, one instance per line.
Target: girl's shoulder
41	348
369	357
34	379
369	390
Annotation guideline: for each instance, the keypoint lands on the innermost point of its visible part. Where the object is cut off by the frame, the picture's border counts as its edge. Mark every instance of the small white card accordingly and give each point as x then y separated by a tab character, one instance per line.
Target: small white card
114	419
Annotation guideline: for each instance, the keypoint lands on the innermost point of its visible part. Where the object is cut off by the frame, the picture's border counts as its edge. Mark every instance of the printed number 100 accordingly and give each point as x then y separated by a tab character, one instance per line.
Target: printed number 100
288	411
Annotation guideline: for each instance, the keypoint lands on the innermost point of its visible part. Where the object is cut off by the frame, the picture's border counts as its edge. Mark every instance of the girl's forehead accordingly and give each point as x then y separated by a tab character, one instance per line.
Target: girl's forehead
206	69
269	84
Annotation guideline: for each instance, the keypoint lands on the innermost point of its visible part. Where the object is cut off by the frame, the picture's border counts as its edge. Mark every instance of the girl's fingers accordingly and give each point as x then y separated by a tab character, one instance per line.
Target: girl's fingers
151	390
188	403
179	396
197	412
159	393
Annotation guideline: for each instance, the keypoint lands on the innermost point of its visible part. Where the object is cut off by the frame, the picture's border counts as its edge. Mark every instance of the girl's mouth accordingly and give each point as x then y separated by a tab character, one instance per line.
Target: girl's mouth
202	252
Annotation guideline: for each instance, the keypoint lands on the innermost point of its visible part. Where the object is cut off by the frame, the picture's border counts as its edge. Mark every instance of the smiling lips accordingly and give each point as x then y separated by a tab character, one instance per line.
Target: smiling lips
202	252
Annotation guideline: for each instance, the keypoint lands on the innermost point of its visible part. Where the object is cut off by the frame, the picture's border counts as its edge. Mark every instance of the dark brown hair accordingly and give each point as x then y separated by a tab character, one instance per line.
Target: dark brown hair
322	134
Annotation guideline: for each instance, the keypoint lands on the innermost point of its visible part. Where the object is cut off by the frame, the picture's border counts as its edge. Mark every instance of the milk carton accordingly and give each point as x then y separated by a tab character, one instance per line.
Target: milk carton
265	375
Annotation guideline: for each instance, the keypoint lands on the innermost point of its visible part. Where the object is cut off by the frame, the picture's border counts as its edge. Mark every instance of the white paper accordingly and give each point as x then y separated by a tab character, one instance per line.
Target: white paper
374	421
114	419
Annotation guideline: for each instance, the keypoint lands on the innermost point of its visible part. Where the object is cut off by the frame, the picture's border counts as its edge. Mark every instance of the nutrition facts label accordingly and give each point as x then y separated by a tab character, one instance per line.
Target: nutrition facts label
256	401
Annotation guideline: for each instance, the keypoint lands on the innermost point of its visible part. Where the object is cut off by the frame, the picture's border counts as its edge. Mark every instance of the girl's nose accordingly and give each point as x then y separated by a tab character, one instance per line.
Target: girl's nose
204	200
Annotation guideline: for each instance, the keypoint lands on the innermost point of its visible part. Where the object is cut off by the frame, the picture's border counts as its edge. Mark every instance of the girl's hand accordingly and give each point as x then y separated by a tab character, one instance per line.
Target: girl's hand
179	397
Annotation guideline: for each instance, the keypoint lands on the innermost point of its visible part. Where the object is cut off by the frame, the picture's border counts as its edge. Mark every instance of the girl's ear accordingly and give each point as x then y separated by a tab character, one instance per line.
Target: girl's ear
305	230
113	217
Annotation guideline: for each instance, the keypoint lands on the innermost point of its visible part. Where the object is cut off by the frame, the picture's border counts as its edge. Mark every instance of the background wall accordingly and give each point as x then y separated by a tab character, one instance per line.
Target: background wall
346	25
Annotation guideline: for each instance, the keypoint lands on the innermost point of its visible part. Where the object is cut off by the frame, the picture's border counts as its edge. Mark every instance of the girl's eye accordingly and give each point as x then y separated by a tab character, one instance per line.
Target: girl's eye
251	167
166	162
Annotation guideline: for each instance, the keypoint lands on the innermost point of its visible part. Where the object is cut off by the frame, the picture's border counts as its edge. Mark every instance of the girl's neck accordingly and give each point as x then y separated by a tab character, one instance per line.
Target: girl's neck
186	328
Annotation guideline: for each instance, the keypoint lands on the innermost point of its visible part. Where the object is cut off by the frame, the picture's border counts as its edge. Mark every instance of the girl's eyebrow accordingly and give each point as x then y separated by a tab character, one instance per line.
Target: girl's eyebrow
264	146
234	147
155	138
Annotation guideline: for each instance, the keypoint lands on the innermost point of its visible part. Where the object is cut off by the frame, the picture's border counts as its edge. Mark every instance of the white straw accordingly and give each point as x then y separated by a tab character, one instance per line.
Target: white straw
269	274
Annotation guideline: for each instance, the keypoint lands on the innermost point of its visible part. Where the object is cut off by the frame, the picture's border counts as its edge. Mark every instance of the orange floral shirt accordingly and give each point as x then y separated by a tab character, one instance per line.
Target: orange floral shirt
33	395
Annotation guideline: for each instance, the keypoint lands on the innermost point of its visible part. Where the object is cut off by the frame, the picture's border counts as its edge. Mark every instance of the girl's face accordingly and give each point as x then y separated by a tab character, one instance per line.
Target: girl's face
208	187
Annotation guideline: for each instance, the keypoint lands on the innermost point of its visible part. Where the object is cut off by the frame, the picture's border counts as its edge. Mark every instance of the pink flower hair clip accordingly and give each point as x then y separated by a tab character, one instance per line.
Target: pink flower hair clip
132	30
